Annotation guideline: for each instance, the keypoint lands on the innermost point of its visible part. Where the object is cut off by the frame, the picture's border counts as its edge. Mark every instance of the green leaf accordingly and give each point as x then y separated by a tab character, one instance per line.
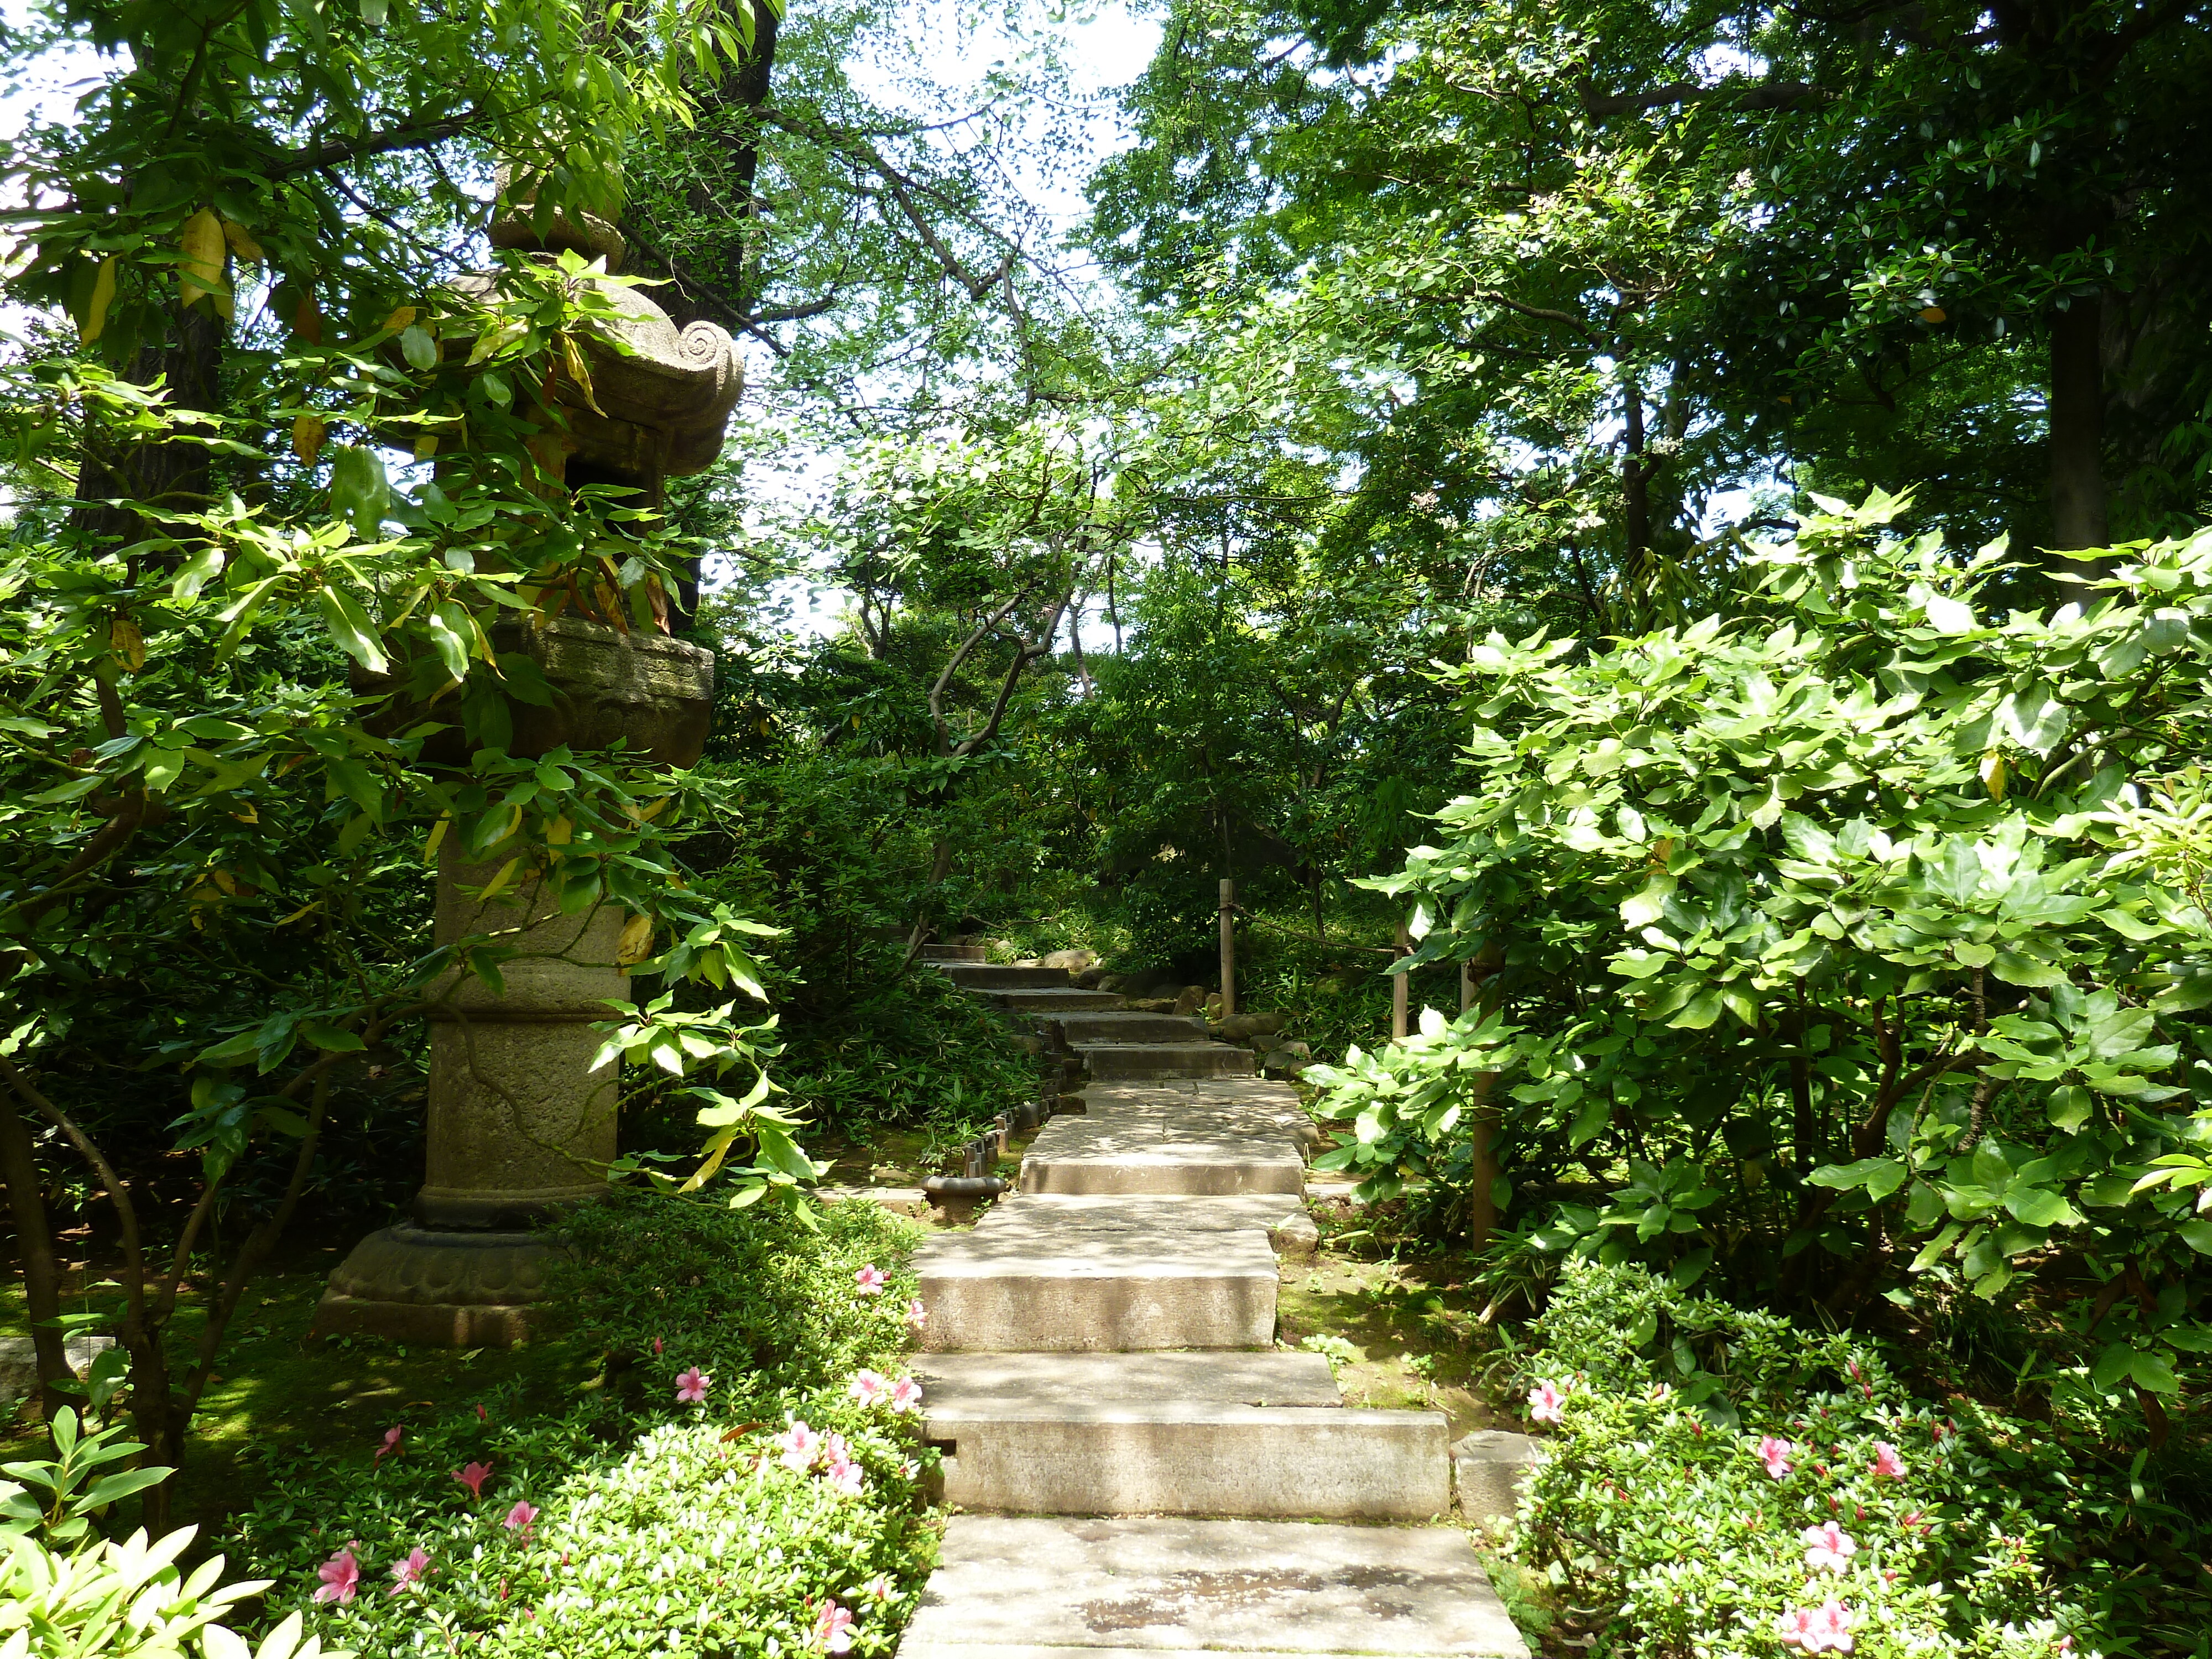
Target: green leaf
2112	1365
2026	970
196	572
2153	1374
1880	1176
2068	1107
350	626
331	1040
2197	1234
2038	1206
360	493
110	1487
1646	905
450	643
418	346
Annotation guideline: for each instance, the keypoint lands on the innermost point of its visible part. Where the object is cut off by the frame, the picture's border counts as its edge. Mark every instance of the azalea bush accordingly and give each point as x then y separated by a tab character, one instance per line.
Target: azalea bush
1853	945
1730	1484
742	1473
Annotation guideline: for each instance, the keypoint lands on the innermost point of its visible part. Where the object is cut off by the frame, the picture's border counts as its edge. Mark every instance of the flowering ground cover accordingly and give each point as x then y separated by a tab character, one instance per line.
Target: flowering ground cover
741	1474
1730	1485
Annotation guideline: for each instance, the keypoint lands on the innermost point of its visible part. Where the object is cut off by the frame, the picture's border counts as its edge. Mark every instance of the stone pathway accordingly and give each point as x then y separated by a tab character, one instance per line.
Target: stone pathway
1099	1372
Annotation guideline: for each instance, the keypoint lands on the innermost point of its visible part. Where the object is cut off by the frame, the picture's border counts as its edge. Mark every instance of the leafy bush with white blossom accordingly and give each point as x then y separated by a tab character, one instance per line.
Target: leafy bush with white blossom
743	1477
1730	1486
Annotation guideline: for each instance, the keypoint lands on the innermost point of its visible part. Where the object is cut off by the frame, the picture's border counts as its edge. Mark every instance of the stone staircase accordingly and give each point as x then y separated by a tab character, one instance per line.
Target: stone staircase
1100	1376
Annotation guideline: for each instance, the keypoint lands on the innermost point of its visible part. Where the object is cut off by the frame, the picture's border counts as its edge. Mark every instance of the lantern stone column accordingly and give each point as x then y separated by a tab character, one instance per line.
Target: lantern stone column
519	1127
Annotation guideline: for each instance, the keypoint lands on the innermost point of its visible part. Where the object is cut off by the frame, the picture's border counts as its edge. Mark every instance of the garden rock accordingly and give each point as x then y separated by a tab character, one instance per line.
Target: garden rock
19	1363
1241	1028
1075	961
1296	1238
1489	1468
1191	1000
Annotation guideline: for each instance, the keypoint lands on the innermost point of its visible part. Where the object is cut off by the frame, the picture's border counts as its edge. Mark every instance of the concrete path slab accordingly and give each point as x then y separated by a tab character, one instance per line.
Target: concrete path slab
1051	1000
998	976
1192	1457
1162	1145
1110	1061
1018	1292
1009	1588
958	1382
1126	1025
1141	1214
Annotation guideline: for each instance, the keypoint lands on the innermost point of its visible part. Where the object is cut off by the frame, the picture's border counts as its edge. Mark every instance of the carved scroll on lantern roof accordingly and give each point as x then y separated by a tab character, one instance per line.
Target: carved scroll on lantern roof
667	399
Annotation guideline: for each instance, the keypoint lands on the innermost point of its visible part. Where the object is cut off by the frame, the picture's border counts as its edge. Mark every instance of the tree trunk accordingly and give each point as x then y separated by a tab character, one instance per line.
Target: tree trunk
1636	492
34	1246
2077	434
174	475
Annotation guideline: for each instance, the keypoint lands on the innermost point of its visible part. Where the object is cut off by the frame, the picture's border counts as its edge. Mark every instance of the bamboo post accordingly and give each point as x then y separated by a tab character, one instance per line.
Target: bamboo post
1465	985
1228	948
1401	986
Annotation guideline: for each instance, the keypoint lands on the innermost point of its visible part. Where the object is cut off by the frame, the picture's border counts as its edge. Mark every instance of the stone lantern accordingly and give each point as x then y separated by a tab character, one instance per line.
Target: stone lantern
519	1127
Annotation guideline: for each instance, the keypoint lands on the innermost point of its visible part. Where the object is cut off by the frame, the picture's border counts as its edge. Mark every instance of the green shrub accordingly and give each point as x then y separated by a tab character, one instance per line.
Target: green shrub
1696	1445
638	1521
1861	930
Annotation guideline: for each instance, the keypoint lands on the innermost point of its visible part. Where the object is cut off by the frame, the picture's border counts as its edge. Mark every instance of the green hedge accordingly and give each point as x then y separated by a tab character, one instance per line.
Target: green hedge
1670	1513
659	1527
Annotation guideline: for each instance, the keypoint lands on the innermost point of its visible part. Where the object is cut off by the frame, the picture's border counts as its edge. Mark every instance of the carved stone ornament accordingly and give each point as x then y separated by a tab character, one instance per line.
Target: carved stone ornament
665	403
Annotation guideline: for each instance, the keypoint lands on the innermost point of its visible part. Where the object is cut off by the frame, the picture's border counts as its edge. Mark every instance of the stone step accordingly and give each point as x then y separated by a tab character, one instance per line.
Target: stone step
1129	1026
1192	1457
1051	1002
1111	1062
1175	1433
1045	1216
1164	1145
999	976
954	953
1017	1290
1044	1589
962	1382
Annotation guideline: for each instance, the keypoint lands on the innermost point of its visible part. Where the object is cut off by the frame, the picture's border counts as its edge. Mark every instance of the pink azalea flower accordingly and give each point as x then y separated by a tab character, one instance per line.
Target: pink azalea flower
1825	1629
1911	1520
879	1586
1827	1547
833	1631
843	1475
801	1446
341	1576
1886	1462
522	1517
916	1315
869	1280
412	1570
657	1345
908	1469
868	1387
1775	1454
692	1387
482	1416
1548	1404
390	1441
473	1475
906	1395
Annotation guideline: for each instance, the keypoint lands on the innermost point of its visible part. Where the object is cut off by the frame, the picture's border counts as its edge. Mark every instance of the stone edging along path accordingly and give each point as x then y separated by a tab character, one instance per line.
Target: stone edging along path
1133	1466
